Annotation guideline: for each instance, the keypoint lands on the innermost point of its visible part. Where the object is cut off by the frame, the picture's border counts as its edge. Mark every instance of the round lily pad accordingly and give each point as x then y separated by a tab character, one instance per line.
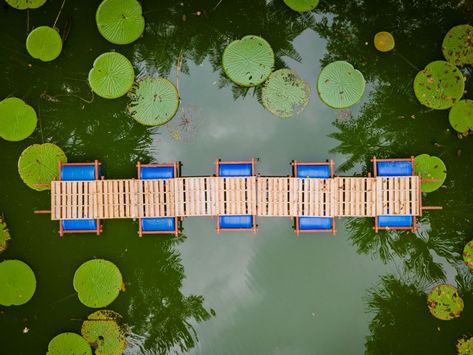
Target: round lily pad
285	94
38	165
18	283
461	116
68	344
44	43
248	61
111	76
25	4
468	254
104	331
444	302
302	5
154	101
4	235
120	21
98	282
384	41
457	46
17	119
430	168
340	85
465	346
439	86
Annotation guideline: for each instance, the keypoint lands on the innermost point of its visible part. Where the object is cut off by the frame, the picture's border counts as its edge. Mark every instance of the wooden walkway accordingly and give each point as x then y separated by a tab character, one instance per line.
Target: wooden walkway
214	196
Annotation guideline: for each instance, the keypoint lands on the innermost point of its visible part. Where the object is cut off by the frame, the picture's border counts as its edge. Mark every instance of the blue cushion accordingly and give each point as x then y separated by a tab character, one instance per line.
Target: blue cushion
78	172
162	224
79	224
394	168
315	223
243	169
395	221
313	171
157	172
236	222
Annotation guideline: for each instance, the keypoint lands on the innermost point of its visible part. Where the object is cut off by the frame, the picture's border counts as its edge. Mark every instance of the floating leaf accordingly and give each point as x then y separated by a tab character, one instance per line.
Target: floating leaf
444	302
44	43
285	94
120	21
18	283
340	85
104	331
98	282
430	168
457	46
384	41
461	116
439	86
4	235
111	76
468	254
25	4
154	101
465	346
68	344
249	61
302	5
38	165
17	119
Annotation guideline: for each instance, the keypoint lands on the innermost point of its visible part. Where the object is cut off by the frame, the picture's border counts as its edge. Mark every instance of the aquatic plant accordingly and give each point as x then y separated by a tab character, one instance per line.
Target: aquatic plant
340	85
17	119
105	332
38	164
444	302
461	116
468	254
68	343
384	41
465	346
302	5
111	76
18	283
248	61
430	168
439	85
457	46
154	101
25	4
4	235
44	43
120	21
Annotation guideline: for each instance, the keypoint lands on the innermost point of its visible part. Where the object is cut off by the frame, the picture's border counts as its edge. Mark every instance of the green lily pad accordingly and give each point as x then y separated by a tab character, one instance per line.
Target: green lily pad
111	76
120	21
38	165
285	94
302	5
154	101
439	86
340	85
98	282
461	116
17	119
465	346
430	167
18	283
248	61
384	41
68	344
468	254
44	43
444	302
104	331
25	4
457	46
4	235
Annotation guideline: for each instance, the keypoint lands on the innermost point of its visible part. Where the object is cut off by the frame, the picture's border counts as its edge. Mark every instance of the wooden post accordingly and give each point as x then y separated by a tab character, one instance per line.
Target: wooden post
375	169
331	168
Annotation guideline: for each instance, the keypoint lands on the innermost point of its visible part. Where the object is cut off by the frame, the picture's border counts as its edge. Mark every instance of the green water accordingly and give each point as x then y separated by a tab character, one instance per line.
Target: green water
269	293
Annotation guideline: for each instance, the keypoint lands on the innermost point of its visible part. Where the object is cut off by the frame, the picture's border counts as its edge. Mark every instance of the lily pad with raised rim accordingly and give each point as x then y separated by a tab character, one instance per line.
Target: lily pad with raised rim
154	101
4	235
285	94
25	4
111	76
468	254
44	43
340	85
38	165
461	116
430	168
68	344
465	346
384	41
17	119
444	302
457	46
439	86
302	5
18	283
248	61
120	21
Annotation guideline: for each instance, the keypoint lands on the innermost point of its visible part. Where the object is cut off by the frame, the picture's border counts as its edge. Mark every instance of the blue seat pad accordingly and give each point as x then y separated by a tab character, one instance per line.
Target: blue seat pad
162	224
236	222
243	169
313	171
394	168
156	172
315	223
78	172
79	224
395	221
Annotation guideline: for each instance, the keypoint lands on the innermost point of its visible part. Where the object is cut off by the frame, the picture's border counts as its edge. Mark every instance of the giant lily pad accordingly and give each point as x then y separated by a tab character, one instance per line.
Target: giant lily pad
111	76
340	85
468	254
154	101
439	86
4	235
465	346
18	283
68	344
248	61
120	21
457	46
384	41
444	302
17	119
44	43
38	165
302	5
430	168
284	94
104	331
25	4
98	282
461	116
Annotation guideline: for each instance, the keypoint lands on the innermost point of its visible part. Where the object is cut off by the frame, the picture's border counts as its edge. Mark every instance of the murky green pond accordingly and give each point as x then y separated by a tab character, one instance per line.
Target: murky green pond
237	293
